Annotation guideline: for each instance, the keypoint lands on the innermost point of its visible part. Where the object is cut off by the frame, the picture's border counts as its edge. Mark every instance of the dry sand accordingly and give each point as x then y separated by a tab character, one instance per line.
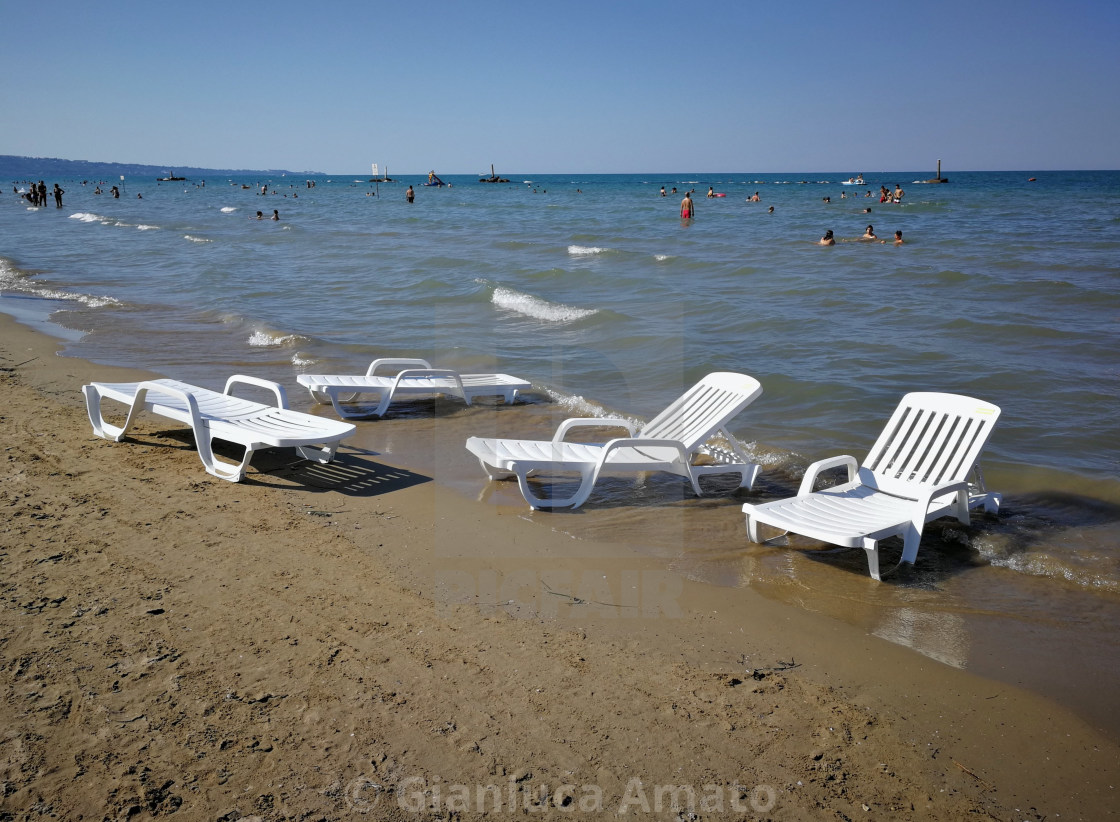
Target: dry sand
351	642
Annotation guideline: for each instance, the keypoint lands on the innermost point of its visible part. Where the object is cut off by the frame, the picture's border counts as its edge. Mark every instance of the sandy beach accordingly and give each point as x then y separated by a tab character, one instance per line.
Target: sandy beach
355	641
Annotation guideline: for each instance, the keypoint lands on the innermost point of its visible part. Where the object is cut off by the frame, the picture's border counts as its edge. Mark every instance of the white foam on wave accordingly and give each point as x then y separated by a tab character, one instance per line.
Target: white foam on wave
584	250
267	338
662	257
196	239
228	209
537	308
12	279
143	227
301	360
1084	570
86	217
576	406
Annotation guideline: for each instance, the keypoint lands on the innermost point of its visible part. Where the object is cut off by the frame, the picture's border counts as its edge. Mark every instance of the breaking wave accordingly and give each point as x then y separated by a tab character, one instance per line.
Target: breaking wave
537	308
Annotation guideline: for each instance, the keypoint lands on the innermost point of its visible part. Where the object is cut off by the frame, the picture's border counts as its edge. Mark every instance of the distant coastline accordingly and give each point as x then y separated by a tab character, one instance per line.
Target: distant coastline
14	167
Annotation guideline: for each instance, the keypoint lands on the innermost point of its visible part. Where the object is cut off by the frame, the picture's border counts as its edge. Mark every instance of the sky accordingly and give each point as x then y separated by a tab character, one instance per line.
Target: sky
565	86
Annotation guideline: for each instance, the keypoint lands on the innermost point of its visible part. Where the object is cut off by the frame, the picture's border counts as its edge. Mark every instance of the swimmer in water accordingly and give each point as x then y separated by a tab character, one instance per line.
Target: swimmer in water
898	238
827	239
687	210
869	233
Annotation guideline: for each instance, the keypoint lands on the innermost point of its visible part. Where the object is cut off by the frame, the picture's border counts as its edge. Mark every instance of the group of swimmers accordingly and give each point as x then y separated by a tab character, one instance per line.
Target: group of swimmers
688	211
36	194
868	236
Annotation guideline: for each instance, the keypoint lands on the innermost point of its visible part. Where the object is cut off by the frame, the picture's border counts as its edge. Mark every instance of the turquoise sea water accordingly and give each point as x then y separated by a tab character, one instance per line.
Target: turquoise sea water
594	289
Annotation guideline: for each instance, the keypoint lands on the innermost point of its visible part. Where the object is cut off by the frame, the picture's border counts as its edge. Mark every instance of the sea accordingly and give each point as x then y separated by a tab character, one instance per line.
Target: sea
593	288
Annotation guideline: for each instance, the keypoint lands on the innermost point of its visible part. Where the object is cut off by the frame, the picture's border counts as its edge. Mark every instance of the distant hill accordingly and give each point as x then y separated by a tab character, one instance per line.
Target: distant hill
42	168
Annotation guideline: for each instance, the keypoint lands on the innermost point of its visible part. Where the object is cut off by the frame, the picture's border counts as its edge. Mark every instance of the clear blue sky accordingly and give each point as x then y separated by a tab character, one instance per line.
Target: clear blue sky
603	86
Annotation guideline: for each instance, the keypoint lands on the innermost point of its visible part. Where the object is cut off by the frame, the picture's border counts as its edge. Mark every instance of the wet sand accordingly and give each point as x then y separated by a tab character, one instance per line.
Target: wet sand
359	641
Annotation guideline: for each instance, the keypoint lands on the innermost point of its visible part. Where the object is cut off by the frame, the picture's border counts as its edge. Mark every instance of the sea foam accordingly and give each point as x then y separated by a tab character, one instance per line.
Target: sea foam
12	279
228	209
266	338
537	308
584	250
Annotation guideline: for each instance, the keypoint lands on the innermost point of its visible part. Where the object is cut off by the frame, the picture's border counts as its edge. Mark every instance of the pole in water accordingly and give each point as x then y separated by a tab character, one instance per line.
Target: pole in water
938	169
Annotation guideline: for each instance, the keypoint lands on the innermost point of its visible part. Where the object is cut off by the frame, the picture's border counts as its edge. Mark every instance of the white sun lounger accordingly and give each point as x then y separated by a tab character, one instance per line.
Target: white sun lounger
916	472
212	416
417	379
670	442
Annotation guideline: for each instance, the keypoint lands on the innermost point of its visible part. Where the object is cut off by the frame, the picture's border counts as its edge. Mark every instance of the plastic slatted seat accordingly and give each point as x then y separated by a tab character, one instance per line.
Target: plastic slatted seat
916	472
417	379
670	442
222	416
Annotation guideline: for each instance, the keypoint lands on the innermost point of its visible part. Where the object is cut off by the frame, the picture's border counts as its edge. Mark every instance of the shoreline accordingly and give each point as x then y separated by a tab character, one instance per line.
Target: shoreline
279	646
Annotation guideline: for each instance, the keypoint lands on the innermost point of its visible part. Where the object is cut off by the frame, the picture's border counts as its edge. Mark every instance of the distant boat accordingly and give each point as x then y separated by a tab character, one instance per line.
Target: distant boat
937	179
376	179
171	179
493	178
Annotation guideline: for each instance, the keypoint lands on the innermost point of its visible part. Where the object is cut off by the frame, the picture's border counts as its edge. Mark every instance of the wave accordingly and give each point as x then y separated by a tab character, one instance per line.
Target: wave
13	279
583	250
301	360
196	239
576	406
89	217
270	338
537	308
1086	568
662	257
228	209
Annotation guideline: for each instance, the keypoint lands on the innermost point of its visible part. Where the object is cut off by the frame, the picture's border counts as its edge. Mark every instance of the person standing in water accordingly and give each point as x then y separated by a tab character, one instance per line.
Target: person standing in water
410	195
687	209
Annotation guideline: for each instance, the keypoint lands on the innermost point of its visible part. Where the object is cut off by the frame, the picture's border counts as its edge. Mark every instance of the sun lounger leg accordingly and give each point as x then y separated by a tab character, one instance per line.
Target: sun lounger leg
752	529
337	397
93	409
495	473
216	467
316	454
101	427
871	546
587	482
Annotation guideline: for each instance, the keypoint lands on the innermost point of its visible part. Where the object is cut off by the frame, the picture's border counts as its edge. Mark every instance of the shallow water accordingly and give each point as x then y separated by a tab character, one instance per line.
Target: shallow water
595	290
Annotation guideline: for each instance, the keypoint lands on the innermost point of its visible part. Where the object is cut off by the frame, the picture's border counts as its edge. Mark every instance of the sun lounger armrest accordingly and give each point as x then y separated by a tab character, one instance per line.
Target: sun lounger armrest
397	363
275	387
958	487
809	481
596	422
639	442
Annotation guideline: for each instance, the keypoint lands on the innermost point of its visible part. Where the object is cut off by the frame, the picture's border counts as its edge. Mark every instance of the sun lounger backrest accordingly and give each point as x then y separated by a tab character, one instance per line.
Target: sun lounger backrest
703	409
931	439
